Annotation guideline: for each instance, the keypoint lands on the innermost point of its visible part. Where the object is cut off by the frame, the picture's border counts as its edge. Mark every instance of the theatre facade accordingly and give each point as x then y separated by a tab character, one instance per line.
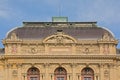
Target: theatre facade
59	50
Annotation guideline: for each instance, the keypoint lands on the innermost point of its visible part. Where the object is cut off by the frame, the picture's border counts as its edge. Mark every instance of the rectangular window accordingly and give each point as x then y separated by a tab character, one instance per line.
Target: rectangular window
33	78
87	78
60	78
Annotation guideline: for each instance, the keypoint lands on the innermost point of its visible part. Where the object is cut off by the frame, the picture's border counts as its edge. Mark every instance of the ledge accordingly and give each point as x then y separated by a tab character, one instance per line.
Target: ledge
59	57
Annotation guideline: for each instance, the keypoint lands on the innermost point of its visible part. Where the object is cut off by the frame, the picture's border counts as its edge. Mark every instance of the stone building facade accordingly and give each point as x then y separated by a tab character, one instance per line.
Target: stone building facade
59	51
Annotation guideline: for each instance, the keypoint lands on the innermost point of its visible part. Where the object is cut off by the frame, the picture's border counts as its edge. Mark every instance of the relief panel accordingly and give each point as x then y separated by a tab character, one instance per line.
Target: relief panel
33	49
87	49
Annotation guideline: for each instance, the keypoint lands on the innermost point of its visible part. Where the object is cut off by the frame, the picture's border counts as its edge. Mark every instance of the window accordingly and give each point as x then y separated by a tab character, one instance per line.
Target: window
60	74
87	78
33	78
87	74
33	74
60	78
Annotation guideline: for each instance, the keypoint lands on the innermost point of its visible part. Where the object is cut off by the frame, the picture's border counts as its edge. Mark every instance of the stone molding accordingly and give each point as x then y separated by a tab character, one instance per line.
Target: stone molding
60	56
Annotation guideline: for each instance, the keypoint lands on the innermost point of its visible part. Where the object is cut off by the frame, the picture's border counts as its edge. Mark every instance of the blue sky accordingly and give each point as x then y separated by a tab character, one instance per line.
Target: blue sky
14	12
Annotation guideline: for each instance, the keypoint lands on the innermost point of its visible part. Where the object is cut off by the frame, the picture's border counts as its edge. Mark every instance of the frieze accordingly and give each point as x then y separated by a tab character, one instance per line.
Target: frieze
87	49
33	49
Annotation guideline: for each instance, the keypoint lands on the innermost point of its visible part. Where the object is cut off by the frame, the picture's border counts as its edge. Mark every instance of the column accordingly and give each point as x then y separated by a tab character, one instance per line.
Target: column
69	76
78	77
96	77
52	76
42	75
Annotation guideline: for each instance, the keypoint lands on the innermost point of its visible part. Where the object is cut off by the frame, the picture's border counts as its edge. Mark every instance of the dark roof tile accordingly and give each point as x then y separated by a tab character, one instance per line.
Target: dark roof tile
76	32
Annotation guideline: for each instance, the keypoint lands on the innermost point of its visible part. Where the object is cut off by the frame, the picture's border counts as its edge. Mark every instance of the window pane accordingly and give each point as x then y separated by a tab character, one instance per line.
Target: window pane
60	78
33	78
87	78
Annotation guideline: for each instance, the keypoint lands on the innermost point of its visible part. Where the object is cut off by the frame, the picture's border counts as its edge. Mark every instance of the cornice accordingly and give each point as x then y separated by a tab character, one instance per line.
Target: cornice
108	42
59	57
40	41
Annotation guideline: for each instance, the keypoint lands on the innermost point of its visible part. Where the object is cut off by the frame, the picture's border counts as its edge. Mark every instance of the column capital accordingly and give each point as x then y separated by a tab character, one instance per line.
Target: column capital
73	65
46	65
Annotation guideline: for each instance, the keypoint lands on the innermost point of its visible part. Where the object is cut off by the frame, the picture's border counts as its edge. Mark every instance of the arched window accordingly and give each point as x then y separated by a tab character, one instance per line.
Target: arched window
33	74
87	74
60	74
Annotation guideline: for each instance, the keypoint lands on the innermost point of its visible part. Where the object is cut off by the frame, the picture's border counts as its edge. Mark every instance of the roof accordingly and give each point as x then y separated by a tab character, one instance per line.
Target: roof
78	30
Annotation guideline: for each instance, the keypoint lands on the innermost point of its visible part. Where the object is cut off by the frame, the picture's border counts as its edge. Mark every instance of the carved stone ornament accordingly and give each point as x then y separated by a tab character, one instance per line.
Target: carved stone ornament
106	73
106	37
59	37
13	36
14	73
86	50
14	48
33	50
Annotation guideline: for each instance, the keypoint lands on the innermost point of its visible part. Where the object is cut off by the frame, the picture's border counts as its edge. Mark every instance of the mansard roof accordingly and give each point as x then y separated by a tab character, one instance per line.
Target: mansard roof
77	30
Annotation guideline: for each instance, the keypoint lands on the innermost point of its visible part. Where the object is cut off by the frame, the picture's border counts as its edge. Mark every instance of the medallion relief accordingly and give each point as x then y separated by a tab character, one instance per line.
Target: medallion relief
87	49
33	49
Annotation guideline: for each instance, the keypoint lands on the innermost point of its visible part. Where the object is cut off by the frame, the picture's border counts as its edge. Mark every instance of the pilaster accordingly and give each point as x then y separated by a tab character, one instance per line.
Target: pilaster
46	48
113	71
73	66
73	49
101	72
46	71
19	67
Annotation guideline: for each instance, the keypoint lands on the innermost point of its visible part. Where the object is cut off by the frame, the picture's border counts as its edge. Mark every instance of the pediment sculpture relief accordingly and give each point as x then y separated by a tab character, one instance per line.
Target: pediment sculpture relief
59	38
